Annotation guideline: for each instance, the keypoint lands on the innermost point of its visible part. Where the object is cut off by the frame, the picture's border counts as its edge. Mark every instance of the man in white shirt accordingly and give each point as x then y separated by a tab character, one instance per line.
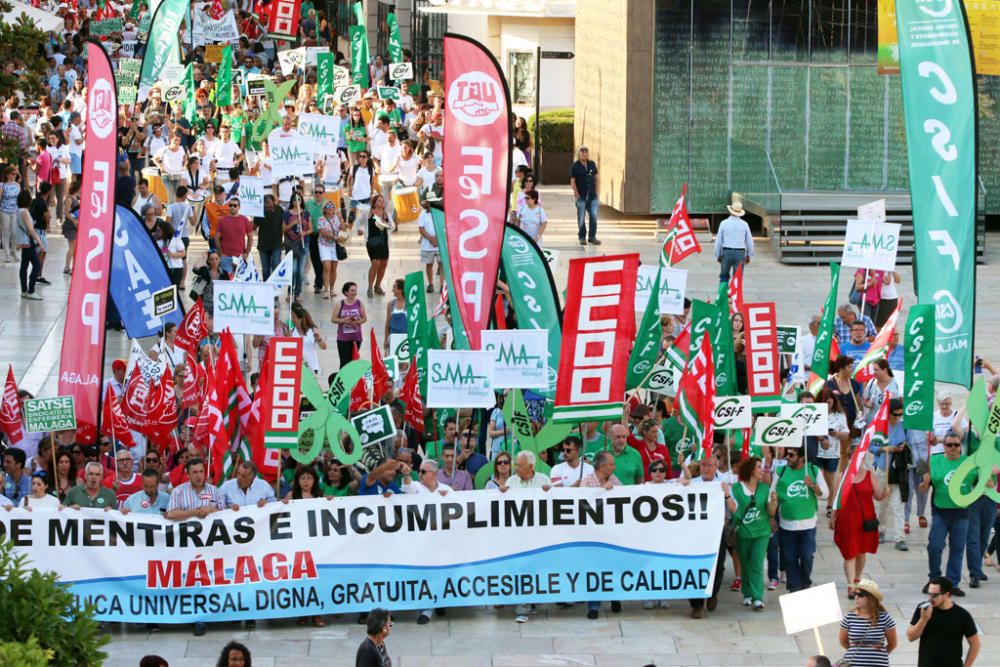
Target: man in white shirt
573	469
429	252
171	159
809	342
710	475
526	477
733	242
226	154
379	136
246	488
435	131
76	145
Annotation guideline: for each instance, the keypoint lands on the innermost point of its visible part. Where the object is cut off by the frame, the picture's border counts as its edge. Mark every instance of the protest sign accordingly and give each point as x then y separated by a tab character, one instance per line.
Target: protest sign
778	432
291	60
810	608
172	73
208	30
871	246
732	412
323	130
347	94
401	71
673	284
105	27
165	301
42	415
872	212
244	307
460	379
291	156
314	557
759	323
341	77
519	356
281	382
391	367
551	258
399	346
175	92
127	95
663	380
375	425
251	196
213	53
813	415
788	337
128	48
256	86
388	93
312	52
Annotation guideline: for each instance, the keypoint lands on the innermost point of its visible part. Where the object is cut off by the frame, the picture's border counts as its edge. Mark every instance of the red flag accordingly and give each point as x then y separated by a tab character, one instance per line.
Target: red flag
736	291
696	395
411	396
215	11
268	460
381	382
677	354
193	389
499	313
211	430
161	410
193	328
113	422
10	410
134	398
681	240
879	349
876	431
360	396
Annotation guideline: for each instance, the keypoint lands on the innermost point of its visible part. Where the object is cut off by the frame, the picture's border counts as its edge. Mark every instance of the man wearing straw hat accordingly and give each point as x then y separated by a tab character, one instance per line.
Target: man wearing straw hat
733	242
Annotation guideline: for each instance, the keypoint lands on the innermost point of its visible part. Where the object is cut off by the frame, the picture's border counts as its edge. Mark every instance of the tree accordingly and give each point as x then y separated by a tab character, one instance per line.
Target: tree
36	606
24	65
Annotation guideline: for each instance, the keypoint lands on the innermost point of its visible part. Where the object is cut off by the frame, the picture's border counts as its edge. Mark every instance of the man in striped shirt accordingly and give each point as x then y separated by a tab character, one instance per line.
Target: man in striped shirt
194	499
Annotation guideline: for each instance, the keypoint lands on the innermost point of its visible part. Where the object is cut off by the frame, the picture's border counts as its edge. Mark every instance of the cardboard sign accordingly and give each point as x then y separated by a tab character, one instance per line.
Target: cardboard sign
388	93
663	380
174	93
401	71
399	346
312	52
520	357
127	95
291	60
761	337
788	337
322	130
460	379
778	432
251	196
105	27
872	212
291	156
213	53
347	94
871	246
244	307
391	367
673	284
256	86
810	608
375	425
341	77
732	412
49	414
815	416
165	301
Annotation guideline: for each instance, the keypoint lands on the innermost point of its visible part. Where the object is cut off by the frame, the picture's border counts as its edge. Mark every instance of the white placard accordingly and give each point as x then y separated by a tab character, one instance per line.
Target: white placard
172	73
778	432
291	60
341	77
312	52
400	71
663	380
872	212
673	283
245	308
810	608
520	357
460	379
290	156
814	415
871	245
251	196
347	94
551	258
322	130
209	31
732	412
399	346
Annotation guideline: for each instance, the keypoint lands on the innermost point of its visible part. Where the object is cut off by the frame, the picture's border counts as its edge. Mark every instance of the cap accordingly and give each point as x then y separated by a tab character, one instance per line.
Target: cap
118	365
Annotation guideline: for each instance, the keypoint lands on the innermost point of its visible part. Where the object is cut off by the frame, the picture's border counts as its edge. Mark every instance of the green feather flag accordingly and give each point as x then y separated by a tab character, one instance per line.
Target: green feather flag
646	350
224	82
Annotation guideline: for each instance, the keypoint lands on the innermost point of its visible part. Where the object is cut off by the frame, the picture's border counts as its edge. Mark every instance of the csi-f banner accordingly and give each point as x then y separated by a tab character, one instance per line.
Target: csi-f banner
476	176
461	339
598	327
646	348
251	195
81	361
395	42
761	338
359	64
732	412
224	79
283	19
871	246
814	416
460	379
533	295
918	357
324	76
137	272
778	432
519	356
824	337
939	105
163	47
673	283
311	557
244	307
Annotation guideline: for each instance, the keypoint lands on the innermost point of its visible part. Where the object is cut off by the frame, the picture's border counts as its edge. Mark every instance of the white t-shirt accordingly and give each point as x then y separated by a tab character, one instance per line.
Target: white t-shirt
428	130
45	502
60	153
310	355
75	135
889	291
225	154
378	141
172	355
408	170
426	223
211	145
332	170
426	177
563	474
531	220
387	158
179	213
172	161
362	183
175	245
155	144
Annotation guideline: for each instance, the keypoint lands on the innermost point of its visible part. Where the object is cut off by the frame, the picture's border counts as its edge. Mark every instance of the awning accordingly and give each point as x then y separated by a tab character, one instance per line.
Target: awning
530	8
43	20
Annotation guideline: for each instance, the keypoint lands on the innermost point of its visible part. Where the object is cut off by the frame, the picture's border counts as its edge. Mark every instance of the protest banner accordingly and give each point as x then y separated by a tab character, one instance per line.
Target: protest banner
519	356
313	557
401	71
673	284
251	195
732	412
460	379
281	382
213	53
105	27
324	76
598	326
43	415
341	77
291	156
871	246
944	216
358	38
164	301
209	31
778	432
375	425
291	60
388	93
918	356
313	53
244	307
788	337
395	41
347	94
760	325
322	130
399	347
163	48
663	380
283	19
813	415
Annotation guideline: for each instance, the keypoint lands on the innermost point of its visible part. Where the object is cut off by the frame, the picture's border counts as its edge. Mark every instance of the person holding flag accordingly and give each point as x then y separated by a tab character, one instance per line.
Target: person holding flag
799	486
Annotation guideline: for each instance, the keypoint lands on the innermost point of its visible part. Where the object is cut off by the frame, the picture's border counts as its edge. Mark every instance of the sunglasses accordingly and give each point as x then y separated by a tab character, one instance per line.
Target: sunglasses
657	470
896	414
426	472
952	444
234	206
862	594
503	463
151	459
569	450
935	596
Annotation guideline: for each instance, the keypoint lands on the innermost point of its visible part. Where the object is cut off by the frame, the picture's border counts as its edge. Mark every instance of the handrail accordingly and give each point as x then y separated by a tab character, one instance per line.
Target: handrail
774	174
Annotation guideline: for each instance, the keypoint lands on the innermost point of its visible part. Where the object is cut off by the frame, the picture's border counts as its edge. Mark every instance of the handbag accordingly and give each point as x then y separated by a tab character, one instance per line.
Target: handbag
855	297
341	252
867	525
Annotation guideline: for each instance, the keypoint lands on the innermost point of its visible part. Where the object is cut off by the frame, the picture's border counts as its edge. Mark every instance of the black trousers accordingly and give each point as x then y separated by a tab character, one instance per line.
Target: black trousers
29	256
317	263
720	570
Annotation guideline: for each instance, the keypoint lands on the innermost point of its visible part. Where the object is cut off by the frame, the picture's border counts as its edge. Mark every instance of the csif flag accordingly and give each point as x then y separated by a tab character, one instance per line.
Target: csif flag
875	434
879	349
163	45
381	383
81	361
395	42
10	410
476	177
224	80
696	397
681	241
646	349
918	355
823	354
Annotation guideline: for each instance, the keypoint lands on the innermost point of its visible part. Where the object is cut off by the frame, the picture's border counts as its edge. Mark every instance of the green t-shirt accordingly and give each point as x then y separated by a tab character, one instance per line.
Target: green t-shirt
78	496
628	466
751	517
336	491
941	471
355	137
235	125
796	500
598	444
315	211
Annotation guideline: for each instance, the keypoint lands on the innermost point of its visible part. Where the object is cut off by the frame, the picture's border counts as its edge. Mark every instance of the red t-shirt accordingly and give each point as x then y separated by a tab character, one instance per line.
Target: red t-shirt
661	453
126	488
233	230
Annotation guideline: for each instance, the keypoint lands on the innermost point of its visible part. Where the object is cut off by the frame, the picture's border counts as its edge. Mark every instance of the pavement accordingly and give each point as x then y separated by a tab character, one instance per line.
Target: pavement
31	340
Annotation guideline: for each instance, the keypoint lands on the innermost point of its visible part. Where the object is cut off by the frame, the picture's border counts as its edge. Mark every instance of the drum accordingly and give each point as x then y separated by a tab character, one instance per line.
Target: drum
197	202
156	187
333	194
407	204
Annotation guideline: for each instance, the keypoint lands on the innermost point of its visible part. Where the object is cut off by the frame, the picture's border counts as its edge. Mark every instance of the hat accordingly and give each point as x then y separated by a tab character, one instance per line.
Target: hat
329	204
736	208
118	365
870	587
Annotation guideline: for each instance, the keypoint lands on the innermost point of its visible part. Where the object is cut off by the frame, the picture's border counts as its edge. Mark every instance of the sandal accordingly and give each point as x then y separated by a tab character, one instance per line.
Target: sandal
736	585
318	622
906	528
922	521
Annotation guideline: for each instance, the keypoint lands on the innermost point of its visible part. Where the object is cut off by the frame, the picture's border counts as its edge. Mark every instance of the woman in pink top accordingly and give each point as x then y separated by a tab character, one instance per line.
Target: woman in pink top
872	291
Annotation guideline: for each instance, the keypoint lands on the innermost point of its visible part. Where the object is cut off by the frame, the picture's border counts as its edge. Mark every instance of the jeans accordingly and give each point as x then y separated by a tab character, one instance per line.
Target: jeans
775	562
953	524
586	207
730	258
892	507
299	256
227	263
29	256
752	553
269	261
914	491
720	571
797	550
981	516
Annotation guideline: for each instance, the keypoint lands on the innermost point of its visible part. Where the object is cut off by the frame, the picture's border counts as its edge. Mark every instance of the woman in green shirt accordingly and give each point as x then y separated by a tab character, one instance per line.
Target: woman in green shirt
339	481
752	509
355	134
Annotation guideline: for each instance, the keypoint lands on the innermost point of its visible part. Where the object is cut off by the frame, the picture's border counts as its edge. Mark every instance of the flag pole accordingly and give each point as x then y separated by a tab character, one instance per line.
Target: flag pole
55	466
113	440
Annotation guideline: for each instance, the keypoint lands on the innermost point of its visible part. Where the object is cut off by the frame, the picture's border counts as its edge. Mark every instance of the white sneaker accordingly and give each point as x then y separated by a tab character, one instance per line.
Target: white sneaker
521	618
664	604
32	297
746	602
758	605
649	604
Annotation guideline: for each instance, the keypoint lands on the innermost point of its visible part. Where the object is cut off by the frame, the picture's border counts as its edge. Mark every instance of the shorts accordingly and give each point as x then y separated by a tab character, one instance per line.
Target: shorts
69	231
377	252
75	164
327	253
44	245
186	240
829	465
429	257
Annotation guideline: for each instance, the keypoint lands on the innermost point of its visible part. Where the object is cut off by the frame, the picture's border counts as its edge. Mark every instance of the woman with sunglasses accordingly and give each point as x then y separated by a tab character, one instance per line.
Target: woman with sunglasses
868	633
752	508
501	472
340	481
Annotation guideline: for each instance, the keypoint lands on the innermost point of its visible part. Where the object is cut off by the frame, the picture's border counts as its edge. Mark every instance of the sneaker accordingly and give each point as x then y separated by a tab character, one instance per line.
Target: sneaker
521	618
697	612
758	605
772	585
649	604
31	296
424	618
430	289
983	577
592	614
43	281
736	585
664	604
24	295
593	242
901	546
957	592
616	607
199	629
973	582
746	602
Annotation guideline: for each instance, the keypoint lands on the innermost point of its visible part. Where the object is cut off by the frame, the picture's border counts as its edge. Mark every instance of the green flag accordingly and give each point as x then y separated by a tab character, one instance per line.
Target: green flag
723	356
939	107
703	317
457	327
324	76
646	350
395	43
918	355
421	332
224	82
359	48
136	9
163	47
190	104
824	337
